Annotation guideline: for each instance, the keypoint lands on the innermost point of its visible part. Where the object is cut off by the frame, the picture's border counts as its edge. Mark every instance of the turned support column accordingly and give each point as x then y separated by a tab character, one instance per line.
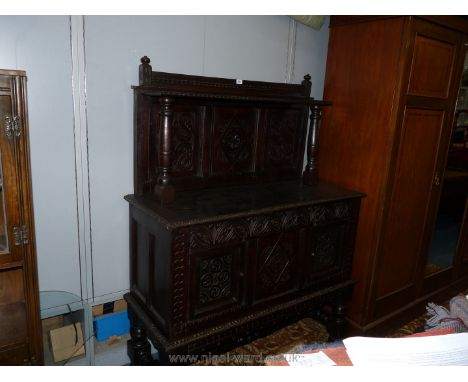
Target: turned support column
310	174
340	319
164	188
138	347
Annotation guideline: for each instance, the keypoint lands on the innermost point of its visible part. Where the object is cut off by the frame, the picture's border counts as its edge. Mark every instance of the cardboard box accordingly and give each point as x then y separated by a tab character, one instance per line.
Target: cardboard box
49	324
120	306
67	342
98	310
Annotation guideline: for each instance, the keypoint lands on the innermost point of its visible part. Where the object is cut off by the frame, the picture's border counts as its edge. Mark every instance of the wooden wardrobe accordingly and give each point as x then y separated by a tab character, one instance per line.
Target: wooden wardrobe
394	82
20	325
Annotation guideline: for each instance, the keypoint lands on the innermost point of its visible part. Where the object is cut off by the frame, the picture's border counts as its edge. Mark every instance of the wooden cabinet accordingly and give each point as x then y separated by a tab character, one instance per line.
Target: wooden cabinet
228	239
200	287
393	82
20	327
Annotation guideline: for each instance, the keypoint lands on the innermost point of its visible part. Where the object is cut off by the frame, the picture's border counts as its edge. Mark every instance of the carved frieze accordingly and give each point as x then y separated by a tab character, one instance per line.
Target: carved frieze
205	236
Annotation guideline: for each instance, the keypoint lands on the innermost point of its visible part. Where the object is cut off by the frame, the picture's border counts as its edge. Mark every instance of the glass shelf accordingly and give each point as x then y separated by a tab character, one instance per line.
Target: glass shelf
61	303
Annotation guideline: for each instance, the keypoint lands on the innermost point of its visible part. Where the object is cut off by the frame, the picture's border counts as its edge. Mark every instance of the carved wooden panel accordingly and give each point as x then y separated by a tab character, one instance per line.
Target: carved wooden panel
276	269
185	143
326	255
432	67
282	138
217	280
234	133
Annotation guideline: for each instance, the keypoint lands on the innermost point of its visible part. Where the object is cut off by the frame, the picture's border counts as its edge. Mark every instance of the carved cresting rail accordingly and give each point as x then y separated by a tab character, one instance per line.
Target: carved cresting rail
169	89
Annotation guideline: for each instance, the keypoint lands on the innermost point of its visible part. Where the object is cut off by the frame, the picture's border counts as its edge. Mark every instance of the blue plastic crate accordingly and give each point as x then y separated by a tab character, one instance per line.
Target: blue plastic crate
113	324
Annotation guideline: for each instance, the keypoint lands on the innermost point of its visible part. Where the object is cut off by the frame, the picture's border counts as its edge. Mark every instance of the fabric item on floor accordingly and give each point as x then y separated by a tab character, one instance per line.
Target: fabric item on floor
455	318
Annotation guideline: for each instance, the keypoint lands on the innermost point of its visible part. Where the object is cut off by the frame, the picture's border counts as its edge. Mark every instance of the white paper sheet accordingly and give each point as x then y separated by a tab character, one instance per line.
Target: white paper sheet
439	350
314	359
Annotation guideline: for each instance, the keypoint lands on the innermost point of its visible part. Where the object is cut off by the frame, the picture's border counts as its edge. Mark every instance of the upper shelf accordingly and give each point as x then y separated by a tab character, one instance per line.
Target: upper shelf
181	85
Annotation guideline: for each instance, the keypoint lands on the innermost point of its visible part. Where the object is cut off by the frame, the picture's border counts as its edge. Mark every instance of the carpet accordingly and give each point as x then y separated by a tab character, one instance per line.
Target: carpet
295	338
286	340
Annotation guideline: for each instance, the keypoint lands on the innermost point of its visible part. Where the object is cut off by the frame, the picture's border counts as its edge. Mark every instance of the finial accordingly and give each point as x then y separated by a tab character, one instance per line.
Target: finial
145	71
306	85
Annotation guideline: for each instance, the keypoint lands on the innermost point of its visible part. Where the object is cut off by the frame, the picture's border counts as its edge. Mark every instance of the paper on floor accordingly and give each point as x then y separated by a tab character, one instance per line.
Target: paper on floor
314	359
441	350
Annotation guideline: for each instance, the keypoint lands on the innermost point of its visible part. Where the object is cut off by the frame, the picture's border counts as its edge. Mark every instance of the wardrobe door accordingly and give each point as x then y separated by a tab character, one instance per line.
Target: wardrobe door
447	252
426	113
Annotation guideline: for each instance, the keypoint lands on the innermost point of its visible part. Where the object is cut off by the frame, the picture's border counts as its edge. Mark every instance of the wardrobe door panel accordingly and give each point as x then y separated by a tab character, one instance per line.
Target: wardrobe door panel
432	67
412	187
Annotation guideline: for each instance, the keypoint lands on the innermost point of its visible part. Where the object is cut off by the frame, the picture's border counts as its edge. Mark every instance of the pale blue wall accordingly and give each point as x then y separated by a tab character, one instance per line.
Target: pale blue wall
245	47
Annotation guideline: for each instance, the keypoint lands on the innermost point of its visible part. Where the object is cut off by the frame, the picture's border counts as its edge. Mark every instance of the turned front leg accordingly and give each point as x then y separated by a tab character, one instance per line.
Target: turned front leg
138	347
338	322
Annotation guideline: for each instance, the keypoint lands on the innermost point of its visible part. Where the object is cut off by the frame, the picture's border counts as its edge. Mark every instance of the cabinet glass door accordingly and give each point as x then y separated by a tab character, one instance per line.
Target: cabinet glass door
453	201
10	174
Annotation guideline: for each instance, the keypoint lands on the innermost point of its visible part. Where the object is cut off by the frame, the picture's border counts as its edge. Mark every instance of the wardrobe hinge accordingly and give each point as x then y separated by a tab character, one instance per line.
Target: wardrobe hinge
436	180
21	235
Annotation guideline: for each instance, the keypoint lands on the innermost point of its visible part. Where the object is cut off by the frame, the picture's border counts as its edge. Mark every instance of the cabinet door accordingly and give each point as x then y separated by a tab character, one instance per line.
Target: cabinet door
426	112
19	312
328	255
276	270
11	248
217	280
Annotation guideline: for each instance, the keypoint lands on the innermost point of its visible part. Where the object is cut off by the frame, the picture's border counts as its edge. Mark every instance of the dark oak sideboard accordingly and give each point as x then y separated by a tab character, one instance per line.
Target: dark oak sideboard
229	238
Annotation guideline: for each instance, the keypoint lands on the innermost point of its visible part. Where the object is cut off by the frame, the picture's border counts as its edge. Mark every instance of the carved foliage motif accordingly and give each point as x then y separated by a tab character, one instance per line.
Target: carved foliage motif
184	143
214	278
241	229
322	213
281	138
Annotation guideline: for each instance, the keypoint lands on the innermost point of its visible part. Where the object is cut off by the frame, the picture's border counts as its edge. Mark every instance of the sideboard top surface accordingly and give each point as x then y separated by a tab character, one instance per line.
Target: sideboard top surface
204	206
